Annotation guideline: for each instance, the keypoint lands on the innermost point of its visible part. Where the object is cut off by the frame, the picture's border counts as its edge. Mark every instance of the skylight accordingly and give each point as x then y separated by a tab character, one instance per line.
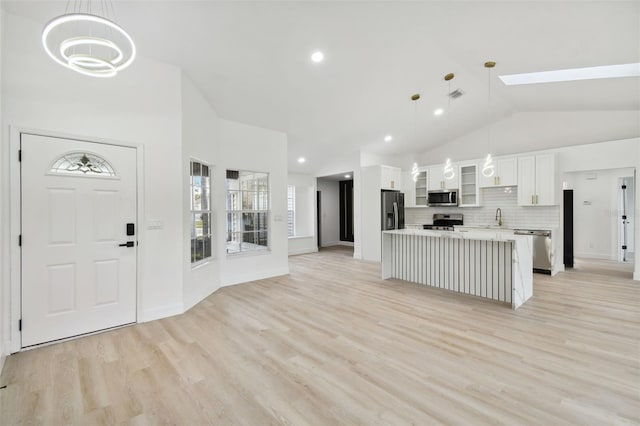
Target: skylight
573	74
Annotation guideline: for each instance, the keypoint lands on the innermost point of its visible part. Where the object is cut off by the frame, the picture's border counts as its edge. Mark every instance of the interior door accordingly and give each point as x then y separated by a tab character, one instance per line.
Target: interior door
78	214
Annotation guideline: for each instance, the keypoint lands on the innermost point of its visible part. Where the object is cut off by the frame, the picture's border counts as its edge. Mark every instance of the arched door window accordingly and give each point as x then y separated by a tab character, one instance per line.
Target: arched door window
83	164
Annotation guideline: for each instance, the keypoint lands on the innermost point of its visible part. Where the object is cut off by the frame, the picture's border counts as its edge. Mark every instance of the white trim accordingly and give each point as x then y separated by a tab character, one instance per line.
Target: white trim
636	276
2	359
14	285
603	256
303	251
197	298
254	276
295	237
159	312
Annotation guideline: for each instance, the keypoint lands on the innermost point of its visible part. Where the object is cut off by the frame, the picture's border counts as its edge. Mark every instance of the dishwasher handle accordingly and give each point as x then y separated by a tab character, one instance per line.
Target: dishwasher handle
533	232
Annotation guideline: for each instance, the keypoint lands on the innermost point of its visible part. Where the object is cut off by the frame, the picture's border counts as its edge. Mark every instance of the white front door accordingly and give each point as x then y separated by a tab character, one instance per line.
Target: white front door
77	199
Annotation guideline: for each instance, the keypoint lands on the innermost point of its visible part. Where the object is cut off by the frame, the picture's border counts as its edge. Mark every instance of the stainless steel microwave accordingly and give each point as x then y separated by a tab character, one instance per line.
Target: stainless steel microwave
442	197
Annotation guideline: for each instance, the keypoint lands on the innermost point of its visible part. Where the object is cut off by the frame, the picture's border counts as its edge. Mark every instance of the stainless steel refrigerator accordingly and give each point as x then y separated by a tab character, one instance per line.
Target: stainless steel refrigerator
392	210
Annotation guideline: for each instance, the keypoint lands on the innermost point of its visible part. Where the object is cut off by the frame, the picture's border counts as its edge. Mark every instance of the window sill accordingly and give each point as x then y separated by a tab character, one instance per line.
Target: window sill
295	237
201	263
248	253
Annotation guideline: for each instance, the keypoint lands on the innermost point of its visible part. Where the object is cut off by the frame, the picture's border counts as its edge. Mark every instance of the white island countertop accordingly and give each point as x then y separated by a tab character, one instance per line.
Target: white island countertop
467	235
493	265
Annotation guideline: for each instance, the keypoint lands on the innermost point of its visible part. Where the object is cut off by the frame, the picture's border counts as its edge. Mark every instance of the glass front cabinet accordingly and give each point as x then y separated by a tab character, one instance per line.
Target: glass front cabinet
421	188
469	190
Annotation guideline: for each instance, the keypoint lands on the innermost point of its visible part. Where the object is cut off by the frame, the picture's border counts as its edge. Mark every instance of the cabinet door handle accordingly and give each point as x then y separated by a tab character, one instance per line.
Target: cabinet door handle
536	199
532	198
498	177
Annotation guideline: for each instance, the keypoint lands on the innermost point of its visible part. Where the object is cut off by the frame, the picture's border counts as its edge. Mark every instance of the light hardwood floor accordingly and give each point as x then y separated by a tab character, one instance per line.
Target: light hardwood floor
333	344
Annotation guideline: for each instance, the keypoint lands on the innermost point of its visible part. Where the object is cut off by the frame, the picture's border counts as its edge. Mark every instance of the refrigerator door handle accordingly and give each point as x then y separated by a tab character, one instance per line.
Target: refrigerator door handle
395	215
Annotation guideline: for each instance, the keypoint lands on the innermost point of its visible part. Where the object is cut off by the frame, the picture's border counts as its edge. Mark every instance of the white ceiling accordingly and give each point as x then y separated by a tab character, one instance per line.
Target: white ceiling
251	61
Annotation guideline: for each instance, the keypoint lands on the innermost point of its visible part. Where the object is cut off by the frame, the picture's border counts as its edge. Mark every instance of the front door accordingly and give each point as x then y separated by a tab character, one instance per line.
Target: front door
78	213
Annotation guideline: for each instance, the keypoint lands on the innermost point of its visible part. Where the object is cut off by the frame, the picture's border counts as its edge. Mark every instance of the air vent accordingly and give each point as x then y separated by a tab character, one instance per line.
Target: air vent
233	174
456	94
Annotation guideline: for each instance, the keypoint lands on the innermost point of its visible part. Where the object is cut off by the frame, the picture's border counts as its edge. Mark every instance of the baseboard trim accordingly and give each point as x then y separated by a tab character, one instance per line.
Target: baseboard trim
594	256
636	276
2	359
253	276
194	300
162	312
303	251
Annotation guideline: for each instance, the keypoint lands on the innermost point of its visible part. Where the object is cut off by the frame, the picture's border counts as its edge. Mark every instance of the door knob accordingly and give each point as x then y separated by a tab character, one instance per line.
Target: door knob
127	244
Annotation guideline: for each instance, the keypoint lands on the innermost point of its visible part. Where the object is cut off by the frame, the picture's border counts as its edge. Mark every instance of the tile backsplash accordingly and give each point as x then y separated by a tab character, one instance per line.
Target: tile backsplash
513	216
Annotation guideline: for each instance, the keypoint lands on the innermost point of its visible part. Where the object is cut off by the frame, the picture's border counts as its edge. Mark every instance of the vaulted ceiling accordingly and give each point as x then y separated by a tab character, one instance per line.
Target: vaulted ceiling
251	61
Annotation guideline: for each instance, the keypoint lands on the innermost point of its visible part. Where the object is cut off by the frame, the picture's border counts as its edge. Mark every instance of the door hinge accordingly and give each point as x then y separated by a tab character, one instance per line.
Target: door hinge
624	247
19	155
20	324
20	240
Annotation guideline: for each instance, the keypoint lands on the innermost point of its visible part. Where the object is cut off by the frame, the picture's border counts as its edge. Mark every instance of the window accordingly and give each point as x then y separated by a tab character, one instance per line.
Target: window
82	163
291	211
200	183
247	211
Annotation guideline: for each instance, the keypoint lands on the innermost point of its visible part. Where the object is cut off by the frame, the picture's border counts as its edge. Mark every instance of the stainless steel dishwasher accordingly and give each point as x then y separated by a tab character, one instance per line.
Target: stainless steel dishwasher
541	248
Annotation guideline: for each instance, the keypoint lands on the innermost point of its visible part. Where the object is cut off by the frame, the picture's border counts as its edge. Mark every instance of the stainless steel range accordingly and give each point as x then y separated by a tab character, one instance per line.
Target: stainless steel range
445	222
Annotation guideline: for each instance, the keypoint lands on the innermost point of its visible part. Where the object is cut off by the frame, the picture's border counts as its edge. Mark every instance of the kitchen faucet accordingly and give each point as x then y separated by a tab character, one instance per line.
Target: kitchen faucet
499	216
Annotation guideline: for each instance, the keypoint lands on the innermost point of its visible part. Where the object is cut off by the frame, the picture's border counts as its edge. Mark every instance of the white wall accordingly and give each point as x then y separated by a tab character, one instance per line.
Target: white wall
153	106
305	240
4	293
330	212
595	212
244	147
200	140
533	131
141	106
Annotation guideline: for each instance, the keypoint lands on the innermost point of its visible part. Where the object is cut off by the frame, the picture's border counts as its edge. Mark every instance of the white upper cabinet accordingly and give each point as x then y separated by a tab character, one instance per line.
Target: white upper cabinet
506	173
421	186
437	179
408	188
536	180
390	178
469	194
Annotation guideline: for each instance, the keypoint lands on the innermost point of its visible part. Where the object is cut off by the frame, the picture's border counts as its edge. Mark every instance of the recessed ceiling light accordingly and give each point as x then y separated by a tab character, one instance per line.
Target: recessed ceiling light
438	111
573	74
301	160
317	56
388	138
347	176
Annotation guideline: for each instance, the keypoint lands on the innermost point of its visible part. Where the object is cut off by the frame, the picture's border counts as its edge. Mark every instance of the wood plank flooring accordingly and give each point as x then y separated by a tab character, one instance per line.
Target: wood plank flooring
333	344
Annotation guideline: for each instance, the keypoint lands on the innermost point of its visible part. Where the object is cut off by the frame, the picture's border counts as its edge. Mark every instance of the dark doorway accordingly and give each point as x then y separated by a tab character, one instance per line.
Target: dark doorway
346	210
318	215
567	214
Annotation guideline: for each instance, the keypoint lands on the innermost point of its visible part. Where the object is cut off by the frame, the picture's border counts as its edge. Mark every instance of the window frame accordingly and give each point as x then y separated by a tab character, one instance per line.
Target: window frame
238	196
291	202
193	212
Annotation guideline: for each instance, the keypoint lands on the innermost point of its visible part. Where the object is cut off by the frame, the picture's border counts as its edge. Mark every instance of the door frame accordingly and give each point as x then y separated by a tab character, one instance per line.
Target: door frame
13	289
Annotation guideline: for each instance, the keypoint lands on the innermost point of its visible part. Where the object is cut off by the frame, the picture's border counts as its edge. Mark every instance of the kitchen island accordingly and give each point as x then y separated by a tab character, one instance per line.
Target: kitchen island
492	266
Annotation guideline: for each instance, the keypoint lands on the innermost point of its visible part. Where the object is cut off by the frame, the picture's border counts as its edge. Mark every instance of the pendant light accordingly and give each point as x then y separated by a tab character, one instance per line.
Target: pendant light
488	168
414	99
448	168
87	39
